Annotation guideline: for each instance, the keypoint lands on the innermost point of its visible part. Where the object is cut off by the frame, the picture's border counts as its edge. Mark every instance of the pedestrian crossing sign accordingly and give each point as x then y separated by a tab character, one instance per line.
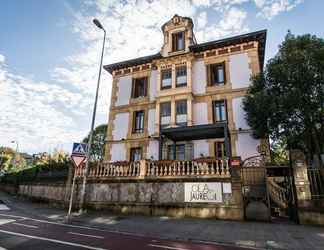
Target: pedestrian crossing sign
79	149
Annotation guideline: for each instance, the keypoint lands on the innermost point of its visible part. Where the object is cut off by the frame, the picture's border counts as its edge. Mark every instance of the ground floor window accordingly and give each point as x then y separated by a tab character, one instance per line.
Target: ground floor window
135	154
180	153
220	151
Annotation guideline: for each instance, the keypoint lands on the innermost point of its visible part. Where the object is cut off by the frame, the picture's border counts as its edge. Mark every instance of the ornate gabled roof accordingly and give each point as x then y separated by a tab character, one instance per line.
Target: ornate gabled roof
259	36
176	18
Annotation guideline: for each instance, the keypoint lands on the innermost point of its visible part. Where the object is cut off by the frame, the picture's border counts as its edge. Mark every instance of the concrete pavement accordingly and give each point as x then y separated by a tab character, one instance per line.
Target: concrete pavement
247	234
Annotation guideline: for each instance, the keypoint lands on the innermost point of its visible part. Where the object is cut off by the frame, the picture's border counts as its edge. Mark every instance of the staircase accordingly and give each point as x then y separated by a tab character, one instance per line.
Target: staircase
277	193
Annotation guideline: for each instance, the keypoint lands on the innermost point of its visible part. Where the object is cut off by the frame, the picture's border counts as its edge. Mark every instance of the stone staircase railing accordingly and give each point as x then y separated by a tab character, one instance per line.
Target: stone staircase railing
277	193
159	169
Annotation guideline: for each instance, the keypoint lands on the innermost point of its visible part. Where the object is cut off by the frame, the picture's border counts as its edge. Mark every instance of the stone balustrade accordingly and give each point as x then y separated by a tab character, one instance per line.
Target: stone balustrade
159	169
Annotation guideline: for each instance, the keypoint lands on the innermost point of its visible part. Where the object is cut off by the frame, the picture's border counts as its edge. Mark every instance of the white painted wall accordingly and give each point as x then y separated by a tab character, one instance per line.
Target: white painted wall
240	72
200	147
199	80
120	126
151	121
153	85
124	85
239	114
246	145
118	152
153	150
200	113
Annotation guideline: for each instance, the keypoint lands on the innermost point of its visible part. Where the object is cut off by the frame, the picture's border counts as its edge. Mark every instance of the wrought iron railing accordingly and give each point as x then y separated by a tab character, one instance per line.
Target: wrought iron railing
316	183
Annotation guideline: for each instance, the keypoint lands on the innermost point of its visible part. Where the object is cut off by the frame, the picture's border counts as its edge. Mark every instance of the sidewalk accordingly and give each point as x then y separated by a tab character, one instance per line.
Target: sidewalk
248	234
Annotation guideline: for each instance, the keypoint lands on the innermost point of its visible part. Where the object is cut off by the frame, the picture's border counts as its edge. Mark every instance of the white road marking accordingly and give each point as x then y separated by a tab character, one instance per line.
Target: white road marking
73	226
24	225
55	223
5	221
87	235
167	247
52	240
4	207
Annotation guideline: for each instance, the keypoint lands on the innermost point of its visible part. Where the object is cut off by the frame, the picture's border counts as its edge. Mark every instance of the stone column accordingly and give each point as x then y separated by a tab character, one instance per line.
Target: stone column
237	197
174	76
157	117
300	174
173	112
189	111
143	169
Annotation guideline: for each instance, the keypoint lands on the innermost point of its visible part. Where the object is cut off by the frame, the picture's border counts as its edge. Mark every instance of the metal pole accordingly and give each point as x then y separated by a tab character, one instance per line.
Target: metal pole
91	131
71	197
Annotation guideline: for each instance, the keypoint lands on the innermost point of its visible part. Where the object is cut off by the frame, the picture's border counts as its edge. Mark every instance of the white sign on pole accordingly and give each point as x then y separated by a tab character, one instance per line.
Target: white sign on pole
209	192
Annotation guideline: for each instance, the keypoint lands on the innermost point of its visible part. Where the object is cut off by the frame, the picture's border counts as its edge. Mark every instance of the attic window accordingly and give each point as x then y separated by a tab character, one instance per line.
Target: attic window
178	41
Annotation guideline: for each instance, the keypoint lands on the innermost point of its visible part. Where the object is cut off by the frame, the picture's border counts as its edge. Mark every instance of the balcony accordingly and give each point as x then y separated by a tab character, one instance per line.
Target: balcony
164	169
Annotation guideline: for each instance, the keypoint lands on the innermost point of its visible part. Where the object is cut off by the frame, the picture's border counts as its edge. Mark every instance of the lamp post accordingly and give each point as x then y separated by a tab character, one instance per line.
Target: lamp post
82	198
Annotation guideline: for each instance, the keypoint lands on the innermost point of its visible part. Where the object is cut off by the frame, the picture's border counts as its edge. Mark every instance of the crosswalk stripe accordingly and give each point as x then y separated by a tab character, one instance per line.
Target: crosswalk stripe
4	207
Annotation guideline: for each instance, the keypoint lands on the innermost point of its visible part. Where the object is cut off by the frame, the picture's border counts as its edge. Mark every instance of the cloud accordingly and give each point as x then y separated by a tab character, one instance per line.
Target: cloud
30	112
42	113
271	8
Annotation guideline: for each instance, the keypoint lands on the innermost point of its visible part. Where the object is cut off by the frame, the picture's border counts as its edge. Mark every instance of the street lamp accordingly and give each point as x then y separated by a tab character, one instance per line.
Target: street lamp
99	25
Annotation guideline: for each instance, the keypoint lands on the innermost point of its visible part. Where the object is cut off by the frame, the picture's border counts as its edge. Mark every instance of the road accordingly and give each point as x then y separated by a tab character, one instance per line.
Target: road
18	231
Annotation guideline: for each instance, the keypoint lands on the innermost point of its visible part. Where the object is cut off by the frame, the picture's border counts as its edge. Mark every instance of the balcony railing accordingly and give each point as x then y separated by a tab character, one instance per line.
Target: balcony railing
159	169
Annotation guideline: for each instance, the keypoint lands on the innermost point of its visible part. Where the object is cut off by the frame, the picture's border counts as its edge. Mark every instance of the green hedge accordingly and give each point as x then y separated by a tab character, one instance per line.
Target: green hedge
49	172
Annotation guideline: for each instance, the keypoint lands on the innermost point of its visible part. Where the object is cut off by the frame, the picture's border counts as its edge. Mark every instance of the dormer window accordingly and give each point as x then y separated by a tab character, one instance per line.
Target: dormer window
178	41
139	87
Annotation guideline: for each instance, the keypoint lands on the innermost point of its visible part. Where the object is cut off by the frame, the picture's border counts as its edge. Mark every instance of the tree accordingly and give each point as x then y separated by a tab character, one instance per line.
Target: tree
10	160
98	142
286	101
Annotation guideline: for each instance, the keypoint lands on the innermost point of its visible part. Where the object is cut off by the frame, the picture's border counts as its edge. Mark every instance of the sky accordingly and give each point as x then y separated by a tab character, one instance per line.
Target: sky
50	54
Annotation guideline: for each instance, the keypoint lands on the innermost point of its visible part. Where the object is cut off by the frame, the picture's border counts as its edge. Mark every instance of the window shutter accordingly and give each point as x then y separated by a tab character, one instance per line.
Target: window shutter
174	42
224	72
226	112
145	86
208	72
133	87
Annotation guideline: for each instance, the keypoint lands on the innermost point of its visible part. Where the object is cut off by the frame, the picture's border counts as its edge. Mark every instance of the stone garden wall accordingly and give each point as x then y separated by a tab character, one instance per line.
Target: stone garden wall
162	198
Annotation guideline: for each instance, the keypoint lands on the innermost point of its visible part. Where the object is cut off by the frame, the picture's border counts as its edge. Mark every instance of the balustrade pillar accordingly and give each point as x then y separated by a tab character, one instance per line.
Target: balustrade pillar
143	168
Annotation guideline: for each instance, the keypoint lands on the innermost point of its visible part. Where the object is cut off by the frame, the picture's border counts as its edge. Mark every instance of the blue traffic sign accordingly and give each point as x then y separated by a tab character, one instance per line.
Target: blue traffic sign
79	149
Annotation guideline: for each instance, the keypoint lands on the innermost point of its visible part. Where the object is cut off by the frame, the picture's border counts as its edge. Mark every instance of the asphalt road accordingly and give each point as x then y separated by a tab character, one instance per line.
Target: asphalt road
19	231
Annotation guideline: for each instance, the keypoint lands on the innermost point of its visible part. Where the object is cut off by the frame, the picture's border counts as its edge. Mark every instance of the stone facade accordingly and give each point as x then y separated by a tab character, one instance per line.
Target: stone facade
242	58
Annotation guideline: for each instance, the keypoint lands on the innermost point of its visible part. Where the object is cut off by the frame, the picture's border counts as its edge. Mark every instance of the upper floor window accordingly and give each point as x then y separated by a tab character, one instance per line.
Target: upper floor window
181	73
139	88
166	81
135	154
138	124
216	74
181	113
165	113
219	108
178	41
